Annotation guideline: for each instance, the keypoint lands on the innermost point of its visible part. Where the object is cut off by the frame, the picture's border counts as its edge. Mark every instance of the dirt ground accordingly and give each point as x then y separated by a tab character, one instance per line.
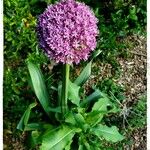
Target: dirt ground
133	79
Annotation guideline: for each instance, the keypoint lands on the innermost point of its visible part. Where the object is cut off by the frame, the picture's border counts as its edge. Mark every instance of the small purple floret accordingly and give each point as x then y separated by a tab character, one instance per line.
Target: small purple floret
67	31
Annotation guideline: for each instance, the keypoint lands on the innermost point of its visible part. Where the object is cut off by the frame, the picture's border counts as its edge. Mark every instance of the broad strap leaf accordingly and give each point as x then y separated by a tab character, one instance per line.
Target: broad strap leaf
73	93
85	74
109	133
57	139
24	119
39	86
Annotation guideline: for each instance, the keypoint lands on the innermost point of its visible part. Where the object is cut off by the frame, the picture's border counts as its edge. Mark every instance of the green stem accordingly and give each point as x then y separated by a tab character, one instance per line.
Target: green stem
64	95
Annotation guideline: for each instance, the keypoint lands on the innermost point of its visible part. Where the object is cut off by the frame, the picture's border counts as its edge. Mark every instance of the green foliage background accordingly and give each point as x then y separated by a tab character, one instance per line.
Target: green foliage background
117	20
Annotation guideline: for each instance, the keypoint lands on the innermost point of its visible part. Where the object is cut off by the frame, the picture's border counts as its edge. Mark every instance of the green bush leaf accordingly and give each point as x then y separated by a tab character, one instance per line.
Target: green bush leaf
57	139
24	120
85	74
73	93
39	86
109	133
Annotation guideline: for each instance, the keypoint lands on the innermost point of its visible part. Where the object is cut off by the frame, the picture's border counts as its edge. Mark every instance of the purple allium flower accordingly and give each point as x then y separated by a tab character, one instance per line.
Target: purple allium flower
67	31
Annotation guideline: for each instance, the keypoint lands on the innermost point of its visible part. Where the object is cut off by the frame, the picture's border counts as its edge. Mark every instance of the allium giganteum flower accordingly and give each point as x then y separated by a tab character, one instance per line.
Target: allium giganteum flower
67	31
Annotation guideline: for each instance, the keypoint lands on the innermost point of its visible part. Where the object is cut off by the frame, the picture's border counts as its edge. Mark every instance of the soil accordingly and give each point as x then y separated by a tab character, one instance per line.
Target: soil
133	79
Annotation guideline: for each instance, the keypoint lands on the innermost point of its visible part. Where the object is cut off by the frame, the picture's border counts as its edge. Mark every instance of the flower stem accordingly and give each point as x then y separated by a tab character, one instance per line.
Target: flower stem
64	95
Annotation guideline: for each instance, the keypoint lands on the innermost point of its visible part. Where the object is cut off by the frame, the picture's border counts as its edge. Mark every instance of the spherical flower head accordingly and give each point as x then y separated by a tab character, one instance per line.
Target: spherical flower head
67	31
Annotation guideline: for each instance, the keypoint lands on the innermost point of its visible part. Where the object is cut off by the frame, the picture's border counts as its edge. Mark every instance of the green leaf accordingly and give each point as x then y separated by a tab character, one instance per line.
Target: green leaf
56	109
132	10
84	144
69	118
93	97
98	111
39	86
32	126
109	133
134	17
68	147
87	145
34	138
57	139
73	93
85	74
24	120
79	119
101	105
93	118
81	147
59	92
38	126
76	120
